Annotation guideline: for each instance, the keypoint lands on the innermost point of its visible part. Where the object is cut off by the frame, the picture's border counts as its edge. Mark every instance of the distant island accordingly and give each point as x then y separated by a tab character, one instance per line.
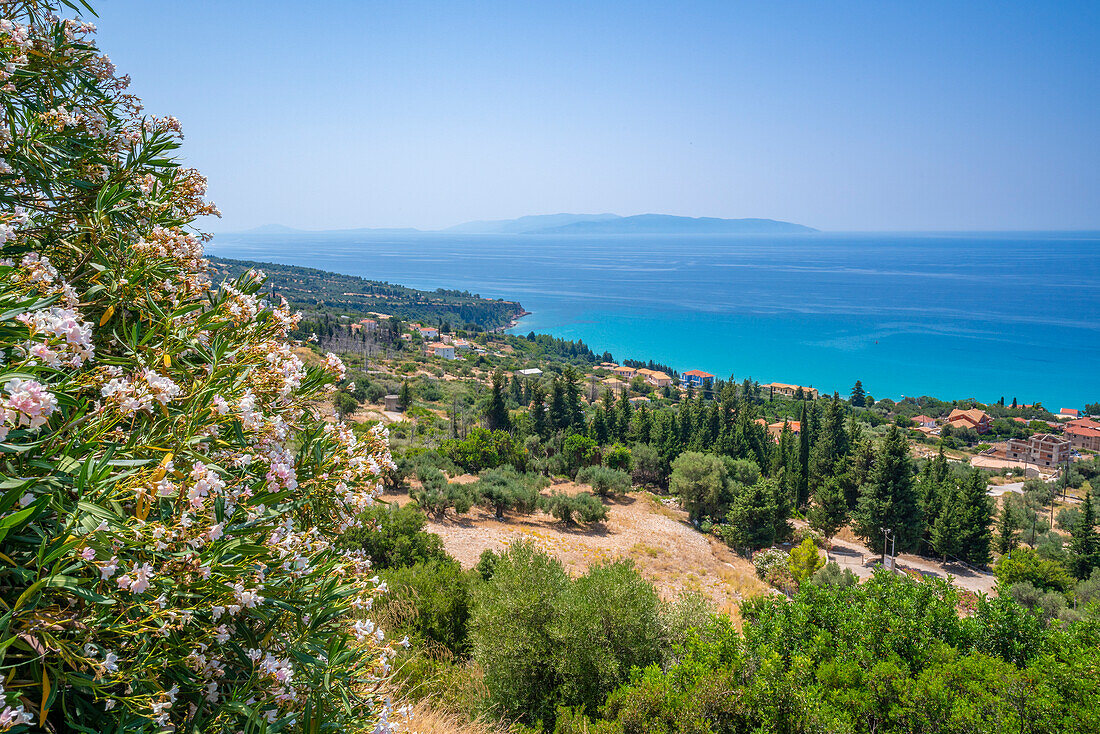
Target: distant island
584	224
667	224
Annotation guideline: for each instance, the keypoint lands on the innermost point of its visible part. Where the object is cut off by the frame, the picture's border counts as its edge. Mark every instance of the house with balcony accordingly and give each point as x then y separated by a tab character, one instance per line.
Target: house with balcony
654	377
625	373
791	391
696	378
442	350
1083	433
974	418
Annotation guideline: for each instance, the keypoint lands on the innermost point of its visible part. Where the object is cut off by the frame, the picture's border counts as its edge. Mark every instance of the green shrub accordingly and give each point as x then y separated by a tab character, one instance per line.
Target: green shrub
804	561
429	602
765	560
606	623
345	403
505	489
483	449
393	536
1025	565
583	506
831	575
544	641
604	480
618	457
510	632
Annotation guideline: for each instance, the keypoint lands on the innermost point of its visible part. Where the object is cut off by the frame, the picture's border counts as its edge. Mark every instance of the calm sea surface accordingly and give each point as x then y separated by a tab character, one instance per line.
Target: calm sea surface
955	316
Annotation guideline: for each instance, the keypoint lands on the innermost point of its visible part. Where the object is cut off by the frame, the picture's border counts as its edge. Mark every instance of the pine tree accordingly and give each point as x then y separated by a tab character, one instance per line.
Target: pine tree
1085	542
829	512
859	396
889	500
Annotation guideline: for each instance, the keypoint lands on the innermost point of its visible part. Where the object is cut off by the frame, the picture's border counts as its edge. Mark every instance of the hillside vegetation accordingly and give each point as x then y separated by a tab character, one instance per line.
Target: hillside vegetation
316	291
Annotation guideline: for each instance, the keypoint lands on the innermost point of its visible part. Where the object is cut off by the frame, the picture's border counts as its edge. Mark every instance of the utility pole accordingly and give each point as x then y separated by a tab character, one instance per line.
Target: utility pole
889	537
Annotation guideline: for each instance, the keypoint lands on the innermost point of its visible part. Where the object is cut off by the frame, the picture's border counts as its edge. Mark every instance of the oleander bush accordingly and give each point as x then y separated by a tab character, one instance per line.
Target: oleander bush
169	491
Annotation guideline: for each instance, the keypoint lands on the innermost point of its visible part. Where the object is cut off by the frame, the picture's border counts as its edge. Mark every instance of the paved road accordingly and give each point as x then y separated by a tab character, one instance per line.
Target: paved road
996	490
859	559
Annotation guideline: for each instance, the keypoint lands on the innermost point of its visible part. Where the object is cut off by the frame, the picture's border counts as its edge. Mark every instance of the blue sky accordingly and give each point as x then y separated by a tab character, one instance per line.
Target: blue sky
840	115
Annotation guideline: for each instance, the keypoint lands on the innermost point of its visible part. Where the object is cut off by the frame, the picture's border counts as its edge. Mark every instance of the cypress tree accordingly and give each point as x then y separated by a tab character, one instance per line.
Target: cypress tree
599	427
405	397
947	532
558	412
889	500
610	414
977	514
1007	525
539	418
624	414
804	458
496	412
830	444
571	390
1085	542
933	491
685	424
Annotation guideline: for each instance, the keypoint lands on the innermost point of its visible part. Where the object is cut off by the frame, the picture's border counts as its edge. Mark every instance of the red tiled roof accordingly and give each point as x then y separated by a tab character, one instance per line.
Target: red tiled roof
1083	427
698	373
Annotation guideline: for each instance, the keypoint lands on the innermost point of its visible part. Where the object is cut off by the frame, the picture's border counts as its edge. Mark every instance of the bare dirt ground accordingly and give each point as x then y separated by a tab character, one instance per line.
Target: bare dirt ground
666	549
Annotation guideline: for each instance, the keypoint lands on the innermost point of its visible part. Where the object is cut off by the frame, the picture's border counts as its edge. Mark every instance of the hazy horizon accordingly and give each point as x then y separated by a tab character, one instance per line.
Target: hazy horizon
854	116
215	226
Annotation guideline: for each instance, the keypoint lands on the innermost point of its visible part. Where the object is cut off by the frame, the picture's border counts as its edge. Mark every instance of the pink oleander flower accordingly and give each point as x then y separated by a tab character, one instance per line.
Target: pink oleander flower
28	403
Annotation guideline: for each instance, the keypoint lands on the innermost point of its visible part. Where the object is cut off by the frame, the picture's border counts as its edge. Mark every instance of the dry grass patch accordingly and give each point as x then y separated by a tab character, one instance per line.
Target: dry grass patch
427	720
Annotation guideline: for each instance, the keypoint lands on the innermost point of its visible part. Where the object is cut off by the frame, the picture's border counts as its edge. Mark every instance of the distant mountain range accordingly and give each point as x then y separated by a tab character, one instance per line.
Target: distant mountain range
590	224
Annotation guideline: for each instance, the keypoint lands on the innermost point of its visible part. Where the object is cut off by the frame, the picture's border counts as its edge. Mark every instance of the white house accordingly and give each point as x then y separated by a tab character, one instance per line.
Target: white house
443	351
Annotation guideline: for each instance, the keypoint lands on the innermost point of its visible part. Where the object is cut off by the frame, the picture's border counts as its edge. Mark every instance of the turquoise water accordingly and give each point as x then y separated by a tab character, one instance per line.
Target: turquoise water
950	315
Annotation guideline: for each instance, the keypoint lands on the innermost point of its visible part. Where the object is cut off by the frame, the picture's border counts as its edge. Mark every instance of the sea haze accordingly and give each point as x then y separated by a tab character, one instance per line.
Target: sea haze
949	315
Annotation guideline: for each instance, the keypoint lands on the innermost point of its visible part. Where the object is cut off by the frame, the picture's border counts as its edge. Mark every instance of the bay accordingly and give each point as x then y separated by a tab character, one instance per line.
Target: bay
954	315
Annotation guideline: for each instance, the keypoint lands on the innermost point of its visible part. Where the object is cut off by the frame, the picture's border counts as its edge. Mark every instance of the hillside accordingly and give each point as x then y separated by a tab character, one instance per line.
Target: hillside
319	290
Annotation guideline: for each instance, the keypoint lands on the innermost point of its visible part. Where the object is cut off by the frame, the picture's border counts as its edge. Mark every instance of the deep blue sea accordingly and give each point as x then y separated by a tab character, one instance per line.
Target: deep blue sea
949	315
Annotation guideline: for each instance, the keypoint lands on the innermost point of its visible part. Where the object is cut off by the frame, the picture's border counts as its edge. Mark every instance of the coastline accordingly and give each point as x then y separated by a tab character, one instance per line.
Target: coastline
828	309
